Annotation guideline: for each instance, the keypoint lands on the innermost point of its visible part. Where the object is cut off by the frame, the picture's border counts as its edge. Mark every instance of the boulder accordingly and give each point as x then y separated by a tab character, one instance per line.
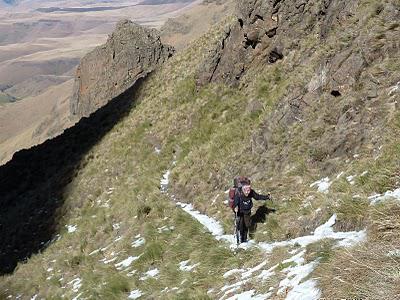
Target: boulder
130	53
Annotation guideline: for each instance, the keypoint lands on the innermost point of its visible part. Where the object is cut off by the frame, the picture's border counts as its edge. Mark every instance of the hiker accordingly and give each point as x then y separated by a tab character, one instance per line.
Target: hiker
242	207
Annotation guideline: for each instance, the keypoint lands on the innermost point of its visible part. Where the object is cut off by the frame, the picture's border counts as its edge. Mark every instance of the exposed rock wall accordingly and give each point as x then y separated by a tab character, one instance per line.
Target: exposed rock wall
130	53
266	31
341	57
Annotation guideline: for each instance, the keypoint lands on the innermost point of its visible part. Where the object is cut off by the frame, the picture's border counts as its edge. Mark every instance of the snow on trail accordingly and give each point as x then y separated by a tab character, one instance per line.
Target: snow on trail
395	194
295	274
325	231
307	290
212	225
292	285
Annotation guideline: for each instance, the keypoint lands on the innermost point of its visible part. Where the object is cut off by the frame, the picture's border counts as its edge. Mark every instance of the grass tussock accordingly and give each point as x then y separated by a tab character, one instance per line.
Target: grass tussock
371	270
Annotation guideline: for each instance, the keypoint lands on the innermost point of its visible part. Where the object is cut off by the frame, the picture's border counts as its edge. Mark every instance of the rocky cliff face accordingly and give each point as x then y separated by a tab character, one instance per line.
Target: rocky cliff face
130	53
334	47
268	31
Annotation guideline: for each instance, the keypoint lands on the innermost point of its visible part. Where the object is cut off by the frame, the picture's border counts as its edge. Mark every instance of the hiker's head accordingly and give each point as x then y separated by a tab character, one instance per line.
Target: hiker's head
246	190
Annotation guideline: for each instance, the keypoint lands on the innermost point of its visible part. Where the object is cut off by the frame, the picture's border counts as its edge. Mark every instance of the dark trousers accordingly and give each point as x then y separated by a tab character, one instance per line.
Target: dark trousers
244	224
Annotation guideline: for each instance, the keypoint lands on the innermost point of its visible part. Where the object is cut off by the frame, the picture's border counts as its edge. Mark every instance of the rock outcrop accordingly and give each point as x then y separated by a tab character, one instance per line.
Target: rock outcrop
334	49
266	32
130	53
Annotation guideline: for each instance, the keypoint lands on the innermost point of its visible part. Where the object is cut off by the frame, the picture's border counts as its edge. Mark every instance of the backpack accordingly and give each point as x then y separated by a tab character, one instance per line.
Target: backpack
238	182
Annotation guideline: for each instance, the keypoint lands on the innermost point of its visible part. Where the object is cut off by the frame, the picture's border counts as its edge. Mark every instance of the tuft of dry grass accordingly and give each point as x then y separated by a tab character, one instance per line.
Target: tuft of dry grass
371	270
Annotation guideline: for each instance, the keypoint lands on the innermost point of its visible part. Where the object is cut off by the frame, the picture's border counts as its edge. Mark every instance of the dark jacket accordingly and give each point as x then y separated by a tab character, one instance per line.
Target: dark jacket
245	203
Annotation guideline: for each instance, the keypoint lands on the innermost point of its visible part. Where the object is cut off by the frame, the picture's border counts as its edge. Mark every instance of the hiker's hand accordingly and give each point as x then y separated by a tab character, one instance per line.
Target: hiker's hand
236	209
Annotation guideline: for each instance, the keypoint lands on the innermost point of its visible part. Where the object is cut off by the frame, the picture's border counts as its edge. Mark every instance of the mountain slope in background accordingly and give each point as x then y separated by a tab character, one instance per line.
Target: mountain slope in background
182	30
301	97
39	51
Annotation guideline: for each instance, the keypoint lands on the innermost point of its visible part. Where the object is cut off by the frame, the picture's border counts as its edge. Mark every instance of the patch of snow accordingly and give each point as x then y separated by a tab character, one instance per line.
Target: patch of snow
212	225
323	185
127	262
165	228
135	294
250	271
356	196
109	260
116	226
243	296
76	284
183	266
151	273
34	297
350	179
157	150
49	269
324	231
364	173
295	274
165	181
297	258
265	274
395	194
262	296
305	291
139	242
356	155
118	238
231	272
235	286
318	210
71	228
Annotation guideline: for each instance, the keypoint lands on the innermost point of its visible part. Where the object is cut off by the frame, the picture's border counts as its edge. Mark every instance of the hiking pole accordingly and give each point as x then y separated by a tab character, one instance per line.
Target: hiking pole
236	235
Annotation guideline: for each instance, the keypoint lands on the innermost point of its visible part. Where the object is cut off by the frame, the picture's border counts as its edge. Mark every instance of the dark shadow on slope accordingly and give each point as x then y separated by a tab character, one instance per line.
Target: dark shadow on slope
33	183
259	217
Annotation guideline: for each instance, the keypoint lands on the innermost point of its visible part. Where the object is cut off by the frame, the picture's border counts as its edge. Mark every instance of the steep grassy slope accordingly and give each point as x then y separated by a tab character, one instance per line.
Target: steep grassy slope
214	132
